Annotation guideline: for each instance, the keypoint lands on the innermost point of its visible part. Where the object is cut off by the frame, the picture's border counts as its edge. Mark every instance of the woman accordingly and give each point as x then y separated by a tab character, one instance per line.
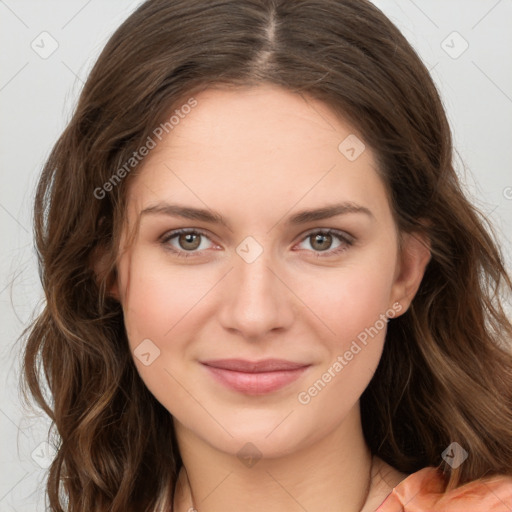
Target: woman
265	287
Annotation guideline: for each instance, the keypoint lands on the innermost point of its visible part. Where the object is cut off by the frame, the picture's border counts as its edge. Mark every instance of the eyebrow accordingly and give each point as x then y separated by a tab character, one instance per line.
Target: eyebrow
213	217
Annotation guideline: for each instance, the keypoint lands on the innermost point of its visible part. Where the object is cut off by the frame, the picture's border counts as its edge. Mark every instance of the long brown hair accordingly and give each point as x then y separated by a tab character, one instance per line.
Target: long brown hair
446	370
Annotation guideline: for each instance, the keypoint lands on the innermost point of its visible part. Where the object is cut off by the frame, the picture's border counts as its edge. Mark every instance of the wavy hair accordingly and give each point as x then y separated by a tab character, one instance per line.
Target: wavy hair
446	370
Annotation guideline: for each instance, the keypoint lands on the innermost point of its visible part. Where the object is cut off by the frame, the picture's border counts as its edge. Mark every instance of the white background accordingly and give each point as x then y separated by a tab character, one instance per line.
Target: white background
37	96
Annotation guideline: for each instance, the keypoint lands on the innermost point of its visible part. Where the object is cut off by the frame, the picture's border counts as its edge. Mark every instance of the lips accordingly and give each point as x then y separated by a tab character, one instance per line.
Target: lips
255	377
267	365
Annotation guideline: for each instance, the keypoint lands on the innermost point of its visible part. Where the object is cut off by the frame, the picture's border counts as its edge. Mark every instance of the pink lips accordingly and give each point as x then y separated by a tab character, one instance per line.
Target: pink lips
255	377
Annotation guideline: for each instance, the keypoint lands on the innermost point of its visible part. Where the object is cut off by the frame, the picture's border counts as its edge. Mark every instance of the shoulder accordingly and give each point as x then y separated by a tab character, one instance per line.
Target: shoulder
424	491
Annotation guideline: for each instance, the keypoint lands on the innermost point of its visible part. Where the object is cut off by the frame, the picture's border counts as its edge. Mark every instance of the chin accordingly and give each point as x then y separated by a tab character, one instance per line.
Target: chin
278	435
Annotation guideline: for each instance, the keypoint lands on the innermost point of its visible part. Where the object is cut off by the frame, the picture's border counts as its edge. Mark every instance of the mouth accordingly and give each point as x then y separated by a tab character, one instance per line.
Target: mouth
255	377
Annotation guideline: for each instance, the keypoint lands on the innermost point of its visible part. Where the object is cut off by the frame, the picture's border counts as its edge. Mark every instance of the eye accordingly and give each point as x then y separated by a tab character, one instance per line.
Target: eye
189	241
322	240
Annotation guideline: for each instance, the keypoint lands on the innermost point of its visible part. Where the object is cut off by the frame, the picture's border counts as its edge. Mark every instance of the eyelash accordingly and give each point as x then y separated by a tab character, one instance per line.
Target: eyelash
347	241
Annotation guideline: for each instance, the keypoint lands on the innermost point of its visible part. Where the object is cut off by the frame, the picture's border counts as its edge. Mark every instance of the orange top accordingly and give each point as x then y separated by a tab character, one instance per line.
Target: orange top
423	492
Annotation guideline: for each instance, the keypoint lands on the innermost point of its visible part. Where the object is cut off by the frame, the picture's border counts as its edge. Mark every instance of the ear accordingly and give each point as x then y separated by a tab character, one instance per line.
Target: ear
411	265
99	262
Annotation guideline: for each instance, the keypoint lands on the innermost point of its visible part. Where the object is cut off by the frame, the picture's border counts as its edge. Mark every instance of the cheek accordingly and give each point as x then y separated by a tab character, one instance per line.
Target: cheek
158	304
352	299
159	297
354	306
354	351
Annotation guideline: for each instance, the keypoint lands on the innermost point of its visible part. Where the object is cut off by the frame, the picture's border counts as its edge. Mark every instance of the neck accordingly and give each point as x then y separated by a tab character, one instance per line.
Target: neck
332	474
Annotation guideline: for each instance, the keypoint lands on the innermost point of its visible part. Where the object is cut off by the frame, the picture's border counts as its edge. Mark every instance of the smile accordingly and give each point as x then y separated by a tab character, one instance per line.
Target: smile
255	378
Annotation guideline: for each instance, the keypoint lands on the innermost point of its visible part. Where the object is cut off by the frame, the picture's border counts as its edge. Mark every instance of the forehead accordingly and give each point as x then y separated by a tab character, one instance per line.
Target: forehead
259	149
258	120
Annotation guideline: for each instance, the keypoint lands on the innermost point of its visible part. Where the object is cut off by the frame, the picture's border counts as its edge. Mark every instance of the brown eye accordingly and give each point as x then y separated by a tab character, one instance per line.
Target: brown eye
328	242
186	242
321	241
189	241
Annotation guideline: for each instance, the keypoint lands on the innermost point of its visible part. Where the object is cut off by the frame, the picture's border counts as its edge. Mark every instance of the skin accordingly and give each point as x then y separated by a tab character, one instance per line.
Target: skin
257	156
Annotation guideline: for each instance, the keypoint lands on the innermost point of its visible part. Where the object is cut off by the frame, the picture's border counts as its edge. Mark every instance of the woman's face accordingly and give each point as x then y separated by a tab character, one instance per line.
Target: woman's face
303	268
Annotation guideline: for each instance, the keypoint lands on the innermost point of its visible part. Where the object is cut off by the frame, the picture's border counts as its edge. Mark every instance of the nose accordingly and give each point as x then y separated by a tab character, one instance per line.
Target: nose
257	300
